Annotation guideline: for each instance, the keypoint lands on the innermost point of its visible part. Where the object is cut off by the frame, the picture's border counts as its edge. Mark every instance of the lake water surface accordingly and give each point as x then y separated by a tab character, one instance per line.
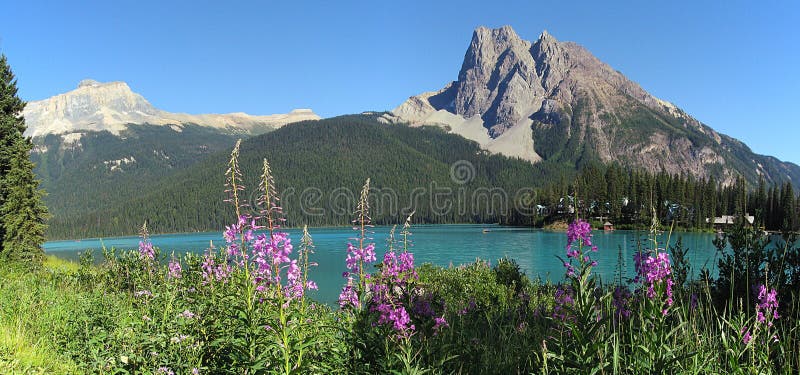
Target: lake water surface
535	250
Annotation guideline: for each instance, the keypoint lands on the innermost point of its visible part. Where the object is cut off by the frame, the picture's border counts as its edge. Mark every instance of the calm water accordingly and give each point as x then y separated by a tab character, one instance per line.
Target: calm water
535	250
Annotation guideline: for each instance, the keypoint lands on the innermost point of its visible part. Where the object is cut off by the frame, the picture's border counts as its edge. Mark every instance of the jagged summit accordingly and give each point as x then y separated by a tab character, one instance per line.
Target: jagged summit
554	100
88	83
545	36
112	106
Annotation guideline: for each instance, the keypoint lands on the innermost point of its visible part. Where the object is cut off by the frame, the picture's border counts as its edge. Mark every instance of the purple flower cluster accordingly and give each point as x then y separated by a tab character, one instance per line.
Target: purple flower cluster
213	271
349	295
581	232
653	271
391	288
399	267
174	269
270	256
621	300
240	233
746	336
767	305
146	250
564	303
439	322
397	317
357	256
766	312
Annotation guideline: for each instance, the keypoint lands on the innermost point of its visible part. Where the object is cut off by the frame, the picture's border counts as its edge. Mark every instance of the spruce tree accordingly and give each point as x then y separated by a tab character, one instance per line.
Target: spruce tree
22	213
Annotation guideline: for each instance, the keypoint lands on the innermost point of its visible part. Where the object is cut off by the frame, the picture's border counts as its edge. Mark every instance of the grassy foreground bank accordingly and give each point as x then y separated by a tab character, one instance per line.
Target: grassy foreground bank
128	315
241	308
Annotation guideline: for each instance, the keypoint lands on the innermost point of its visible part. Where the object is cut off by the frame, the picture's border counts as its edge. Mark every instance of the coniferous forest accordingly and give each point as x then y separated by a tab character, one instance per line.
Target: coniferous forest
445	178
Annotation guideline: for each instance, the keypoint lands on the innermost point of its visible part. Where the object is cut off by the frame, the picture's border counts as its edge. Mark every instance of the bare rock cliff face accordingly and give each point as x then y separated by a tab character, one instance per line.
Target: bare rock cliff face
552	100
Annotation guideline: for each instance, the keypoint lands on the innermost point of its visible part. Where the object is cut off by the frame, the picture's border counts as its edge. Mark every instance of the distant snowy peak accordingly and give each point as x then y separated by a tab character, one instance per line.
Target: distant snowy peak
111	106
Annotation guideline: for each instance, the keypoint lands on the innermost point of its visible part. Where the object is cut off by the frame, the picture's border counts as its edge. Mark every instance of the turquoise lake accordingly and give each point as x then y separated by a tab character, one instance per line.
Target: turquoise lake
535	250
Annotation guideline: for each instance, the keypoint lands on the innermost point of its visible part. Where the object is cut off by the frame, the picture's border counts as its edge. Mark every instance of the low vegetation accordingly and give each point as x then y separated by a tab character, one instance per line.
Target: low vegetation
242	308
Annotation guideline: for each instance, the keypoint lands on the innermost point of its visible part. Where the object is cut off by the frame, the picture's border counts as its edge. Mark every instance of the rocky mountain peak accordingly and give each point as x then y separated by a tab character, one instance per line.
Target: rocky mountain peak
112	106
549	99
498	69
88	83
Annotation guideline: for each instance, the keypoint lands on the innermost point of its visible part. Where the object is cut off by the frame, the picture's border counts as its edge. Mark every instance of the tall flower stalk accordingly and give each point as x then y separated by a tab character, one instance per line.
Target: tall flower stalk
358	255
654	272
269	201
306	249
146	250
578	306
392	287
273	281
234	180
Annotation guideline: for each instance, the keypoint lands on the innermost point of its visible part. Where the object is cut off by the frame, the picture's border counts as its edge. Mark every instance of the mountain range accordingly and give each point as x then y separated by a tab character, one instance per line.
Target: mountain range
547	104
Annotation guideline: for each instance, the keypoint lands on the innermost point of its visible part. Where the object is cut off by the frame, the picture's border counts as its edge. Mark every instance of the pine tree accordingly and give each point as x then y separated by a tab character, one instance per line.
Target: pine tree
22	213
11	124
787	207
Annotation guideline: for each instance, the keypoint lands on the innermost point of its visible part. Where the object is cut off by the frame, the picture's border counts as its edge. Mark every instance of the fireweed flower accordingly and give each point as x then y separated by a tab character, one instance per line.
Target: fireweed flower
294	284
621	300
767	305
564	302
397	317
211	271
174	268
423	307
399	268
390	289
269	256
746	337
146	250
231	233
652	272
348	297
439	322
581	232
356	255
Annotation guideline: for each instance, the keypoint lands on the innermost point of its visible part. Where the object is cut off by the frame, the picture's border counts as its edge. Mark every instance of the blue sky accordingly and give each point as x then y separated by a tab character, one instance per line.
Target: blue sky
733	65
